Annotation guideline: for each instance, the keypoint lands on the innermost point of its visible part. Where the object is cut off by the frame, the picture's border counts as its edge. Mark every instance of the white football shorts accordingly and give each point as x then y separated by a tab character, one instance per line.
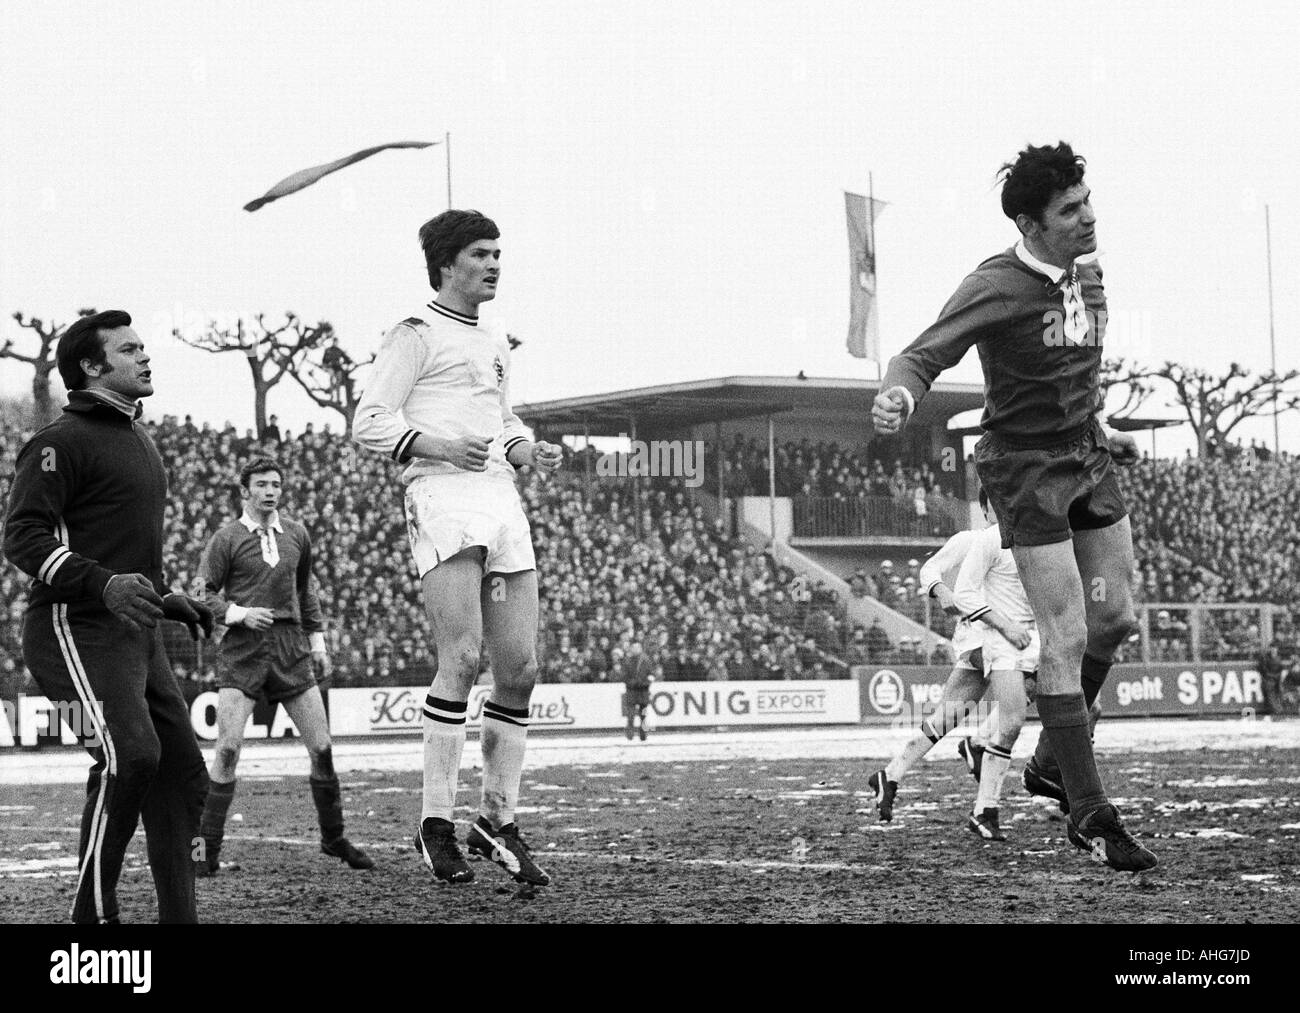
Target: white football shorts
1000	656
965	641
446	514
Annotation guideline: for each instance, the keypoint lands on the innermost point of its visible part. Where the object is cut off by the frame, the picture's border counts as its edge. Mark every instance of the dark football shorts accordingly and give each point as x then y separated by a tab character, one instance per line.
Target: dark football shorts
275	662
1042	495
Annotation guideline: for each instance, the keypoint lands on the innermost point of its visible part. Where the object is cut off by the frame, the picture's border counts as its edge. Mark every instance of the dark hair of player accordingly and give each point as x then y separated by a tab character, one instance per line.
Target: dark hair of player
82	341
984	500
257	466
1037	175
443	237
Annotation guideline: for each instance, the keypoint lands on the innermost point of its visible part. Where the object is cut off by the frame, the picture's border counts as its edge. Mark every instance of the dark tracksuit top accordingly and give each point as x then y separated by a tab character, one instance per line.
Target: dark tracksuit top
87	503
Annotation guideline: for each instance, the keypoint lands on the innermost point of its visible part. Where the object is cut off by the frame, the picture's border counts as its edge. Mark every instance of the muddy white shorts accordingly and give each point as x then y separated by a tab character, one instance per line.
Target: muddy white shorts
1000	656
966	640
446	514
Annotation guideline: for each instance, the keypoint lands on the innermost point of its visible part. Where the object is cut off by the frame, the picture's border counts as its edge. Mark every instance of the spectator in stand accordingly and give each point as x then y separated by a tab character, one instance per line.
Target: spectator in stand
941	656
858	651
879	645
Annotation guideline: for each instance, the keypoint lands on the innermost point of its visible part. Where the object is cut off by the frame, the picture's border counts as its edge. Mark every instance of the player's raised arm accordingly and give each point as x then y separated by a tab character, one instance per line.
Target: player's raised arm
973	309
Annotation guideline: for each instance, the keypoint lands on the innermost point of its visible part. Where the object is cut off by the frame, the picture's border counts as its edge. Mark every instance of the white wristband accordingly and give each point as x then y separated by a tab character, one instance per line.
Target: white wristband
235	615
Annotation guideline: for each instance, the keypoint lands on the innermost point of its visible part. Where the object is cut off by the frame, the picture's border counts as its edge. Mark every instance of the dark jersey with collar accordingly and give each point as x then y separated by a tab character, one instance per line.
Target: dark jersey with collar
236	572
1039	350
87	503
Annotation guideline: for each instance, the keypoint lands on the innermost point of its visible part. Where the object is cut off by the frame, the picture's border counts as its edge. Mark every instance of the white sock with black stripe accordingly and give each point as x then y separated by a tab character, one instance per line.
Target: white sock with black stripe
917	746
993	770
505	731
444	741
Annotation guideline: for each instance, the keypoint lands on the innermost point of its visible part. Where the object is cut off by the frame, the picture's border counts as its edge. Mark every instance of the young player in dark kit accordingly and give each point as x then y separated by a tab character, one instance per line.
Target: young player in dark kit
257	581
1037	314
85	520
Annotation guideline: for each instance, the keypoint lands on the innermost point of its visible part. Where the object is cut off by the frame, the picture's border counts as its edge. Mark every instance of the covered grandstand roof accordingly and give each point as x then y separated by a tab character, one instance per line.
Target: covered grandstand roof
696	402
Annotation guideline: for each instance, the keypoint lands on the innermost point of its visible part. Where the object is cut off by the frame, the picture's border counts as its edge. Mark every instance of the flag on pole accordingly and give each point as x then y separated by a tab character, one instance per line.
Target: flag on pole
864	333
305	178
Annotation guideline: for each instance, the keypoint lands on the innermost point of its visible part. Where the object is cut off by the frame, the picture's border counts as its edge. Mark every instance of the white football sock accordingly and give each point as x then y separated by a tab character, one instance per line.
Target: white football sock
444	740
992	771
505	733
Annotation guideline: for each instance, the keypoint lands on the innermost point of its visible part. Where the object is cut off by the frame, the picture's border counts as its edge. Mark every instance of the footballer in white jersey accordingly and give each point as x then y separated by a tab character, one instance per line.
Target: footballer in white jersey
966	684
989	590
438	401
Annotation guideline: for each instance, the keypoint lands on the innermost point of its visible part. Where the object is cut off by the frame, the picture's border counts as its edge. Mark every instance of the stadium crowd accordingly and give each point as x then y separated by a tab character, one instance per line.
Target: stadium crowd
805	468
623	570
869	489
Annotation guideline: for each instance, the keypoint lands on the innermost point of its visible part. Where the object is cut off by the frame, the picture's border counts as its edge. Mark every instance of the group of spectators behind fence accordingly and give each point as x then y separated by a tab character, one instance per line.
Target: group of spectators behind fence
620	565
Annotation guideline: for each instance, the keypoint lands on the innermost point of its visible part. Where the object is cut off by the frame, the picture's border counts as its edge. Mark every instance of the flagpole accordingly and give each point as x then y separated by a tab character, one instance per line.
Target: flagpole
875	260
447	142
1272	347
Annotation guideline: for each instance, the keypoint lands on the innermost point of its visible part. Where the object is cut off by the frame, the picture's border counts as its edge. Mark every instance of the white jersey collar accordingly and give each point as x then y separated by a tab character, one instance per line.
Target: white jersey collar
453	315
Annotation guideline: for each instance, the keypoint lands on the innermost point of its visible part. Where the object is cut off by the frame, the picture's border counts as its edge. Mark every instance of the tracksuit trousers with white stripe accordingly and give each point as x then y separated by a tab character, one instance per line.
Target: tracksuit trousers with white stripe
136	726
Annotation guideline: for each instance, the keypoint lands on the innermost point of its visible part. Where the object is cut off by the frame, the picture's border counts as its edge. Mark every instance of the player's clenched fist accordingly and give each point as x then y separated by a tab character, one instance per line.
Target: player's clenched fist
469	453
889	411
1123	448
547	456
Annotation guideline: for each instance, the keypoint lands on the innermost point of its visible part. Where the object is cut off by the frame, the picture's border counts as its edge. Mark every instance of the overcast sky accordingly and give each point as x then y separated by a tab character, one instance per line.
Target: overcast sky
668	177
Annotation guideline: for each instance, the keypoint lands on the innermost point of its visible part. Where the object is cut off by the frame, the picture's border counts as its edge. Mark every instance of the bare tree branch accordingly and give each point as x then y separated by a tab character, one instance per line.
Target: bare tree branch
1216	405
270	351
327	373
42	360
1135	381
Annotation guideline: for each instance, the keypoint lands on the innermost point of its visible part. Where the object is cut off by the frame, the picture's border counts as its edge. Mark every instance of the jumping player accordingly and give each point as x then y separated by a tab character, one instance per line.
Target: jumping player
1037	313
85	520
257	579
966	684
438	401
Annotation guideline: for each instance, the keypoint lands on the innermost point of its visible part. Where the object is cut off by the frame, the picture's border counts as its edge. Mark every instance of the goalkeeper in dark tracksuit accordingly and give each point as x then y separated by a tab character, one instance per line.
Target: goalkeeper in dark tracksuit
85	520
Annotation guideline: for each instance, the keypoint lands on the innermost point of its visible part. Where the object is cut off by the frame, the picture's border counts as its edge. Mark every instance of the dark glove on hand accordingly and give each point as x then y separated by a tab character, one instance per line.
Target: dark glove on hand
190	611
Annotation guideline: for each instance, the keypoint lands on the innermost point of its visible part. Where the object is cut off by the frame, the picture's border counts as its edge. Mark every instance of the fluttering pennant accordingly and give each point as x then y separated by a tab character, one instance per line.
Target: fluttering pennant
864	331
305	178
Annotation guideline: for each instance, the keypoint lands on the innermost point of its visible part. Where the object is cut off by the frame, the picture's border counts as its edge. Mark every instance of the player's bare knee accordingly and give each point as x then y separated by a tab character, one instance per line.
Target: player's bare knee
521	674
462	660
322	759
227	756
1068	641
